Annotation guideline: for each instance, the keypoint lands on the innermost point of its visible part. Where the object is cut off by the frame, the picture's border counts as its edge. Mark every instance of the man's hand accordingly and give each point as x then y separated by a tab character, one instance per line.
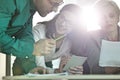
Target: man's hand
39	70
44	46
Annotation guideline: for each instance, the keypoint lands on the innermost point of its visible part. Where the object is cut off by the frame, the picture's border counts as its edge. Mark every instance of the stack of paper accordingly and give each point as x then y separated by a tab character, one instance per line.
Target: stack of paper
56	74
110	54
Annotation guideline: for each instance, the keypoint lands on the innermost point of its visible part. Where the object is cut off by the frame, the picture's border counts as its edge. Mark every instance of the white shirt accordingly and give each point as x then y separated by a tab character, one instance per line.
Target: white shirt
39	33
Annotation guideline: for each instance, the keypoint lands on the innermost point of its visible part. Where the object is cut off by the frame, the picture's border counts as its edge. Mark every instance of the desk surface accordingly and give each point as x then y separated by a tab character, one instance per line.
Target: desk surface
73	77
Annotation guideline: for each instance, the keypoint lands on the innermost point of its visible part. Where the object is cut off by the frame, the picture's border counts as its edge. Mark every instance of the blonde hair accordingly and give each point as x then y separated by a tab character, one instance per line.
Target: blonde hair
101	4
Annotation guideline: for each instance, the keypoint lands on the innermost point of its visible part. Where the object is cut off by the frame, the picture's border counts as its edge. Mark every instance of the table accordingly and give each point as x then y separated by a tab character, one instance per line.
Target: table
65	77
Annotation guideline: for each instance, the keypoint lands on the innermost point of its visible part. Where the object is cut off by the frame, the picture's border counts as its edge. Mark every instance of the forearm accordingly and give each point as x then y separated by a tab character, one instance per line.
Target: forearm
17	47
20	46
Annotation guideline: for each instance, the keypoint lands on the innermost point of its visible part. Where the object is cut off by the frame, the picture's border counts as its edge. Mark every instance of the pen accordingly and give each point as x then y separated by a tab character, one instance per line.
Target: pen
56	39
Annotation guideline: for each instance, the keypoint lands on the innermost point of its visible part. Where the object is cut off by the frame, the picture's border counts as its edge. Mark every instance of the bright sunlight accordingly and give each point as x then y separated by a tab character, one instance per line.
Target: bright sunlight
90	18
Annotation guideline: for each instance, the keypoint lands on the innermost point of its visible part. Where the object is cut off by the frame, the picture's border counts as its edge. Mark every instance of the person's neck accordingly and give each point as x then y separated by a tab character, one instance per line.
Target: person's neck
34	1
32	5
113	35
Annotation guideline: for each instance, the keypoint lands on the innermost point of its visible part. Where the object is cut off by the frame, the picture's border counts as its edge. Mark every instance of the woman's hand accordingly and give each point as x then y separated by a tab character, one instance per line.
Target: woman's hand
44	46
112	70
64	60
76	70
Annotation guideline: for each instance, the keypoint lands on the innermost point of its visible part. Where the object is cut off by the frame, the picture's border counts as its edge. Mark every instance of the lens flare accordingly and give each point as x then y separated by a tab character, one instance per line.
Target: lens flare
90	18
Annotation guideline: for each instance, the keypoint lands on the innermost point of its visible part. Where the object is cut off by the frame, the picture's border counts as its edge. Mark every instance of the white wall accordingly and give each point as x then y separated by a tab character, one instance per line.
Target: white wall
2	65
37	18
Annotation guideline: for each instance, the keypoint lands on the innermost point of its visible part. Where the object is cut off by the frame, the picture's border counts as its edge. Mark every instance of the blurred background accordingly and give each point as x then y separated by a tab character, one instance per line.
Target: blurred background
37	19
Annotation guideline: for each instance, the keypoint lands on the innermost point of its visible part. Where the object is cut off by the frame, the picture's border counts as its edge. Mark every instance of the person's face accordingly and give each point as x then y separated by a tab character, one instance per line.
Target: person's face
64	22
109	19
46	6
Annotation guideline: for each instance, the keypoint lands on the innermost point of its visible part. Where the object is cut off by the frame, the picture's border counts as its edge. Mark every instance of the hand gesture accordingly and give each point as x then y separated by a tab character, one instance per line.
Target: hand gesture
76	70
44	46
64	60
39	70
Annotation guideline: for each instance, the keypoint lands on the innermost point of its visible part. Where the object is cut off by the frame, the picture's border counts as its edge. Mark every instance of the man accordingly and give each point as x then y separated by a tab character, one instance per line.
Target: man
16	25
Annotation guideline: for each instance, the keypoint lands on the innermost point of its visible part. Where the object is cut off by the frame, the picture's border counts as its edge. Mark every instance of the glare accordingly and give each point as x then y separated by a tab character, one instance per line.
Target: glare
90	18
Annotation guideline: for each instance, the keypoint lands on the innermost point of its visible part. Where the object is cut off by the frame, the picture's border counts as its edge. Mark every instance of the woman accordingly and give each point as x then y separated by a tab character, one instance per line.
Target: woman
60	26
57	30
108	20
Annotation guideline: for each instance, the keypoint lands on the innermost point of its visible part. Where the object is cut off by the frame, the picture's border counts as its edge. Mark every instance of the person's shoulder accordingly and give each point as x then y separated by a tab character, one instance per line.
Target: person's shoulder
6	1
39	26
8	5
11	5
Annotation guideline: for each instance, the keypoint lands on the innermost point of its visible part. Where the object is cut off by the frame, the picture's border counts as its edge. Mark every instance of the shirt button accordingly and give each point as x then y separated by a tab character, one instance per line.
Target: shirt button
13	37
26	57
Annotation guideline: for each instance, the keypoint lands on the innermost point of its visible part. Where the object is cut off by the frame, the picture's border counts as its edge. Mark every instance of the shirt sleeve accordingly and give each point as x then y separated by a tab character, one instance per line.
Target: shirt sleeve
39	32
20	47
40	61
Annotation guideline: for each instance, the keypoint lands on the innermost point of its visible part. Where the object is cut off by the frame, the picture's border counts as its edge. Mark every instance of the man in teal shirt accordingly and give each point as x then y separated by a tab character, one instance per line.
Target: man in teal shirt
16	24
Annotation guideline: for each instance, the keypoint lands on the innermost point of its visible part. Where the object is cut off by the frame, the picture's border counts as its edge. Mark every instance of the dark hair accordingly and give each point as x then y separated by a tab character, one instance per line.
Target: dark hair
73	8
51	29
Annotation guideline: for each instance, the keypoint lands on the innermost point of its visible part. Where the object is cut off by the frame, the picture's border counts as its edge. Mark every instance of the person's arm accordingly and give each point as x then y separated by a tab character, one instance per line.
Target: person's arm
65	49
39	32
42	45
63	62
72	70
20	47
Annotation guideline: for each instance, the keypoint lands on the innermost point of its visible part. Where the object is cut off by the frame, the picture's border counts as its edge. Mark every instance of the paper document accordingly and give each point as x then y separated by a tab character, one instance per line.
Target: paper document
56	74
110	54
74	61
